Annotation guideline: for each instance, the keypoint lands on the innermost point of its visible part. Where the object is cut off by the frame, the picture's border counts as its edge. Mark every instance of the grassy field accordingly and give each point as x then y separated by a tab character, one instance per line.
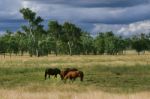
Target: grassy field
107	77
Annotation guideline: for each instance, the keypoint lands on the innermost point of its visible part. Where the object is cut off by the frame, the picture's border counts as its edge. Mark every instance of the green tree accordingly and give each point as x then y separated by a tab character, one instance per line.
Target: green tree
3	45
11	42
34	30
87	43
71	35
140	43
22	42
55	31
109	43
100	43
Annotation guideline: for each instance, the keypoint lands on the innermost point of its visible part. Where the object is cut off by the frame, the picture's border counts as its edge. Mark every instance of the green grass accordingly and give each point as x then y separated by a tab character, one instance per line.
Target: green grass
106	78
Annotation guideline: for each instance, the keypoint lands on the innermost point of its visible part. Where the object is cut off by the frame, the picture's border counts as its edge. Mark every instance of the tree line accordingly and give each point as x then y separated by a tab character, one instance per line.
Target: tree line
65	38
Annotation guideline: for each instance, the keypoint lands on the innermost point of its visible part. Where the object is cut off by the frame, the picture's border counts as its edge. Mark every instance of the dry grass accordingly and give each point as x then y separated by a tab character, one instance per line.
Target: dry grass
19	94
77	60
50	91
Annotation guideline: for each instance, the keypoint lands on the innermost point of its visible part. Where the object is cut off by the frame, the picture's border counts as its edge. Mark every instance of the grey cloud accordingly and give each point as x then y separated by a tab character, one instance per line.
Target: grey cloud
92	15
11	24
94	3
98	15
9	9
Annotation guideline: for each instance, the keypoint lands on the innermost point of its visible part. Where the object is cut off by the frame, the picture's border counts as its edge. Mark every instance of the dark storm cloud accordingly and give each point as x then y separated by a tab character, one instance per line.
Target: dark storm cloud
95	3
91	15
11	24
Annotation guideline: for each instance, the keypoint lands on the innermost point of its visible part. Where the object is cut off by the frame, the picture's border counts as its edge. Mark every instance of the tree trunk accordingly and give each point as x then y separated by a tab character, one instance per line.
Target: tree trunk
10	54
32	37
125	52
144	52
138	53
30	55
56	48
70	49
56	52
4	55
37	53
22	53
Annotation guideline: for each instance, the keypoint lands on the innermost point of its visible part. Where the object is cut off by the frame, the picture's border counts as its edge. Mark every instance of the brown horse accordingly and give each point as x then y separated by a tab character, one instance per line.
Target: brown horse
63	73
72	75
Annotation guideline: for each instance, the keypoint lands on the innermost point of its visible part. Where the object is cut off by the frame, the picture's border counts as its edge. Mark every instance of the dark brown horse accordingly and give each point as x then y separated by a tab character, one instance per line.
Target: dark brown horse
72	75
52	71
64	72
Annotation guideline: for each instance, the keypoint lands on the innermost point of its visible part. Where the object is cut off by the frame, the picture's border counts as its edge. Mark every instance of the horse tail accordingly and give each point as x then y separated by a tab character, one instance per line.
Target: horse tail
81	75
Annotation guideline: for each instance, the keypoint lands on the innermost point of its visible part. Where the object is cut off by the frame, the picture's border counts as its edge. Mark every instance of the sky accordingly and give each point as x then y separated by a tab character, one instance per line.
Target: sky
123	17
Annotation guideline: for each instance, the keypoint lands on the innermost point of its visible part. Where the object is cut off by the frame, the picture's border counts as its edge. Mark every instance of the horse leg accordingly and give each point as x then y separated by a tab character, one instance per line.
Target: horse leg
49	76
56	76
62	77
72	80
45	76
81	78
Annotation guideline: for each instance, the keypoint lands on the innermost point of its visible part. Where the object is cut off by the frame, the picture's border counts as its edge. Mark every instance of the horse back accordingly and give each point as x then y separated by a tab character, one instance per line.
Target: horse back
52	71
72	74
69	70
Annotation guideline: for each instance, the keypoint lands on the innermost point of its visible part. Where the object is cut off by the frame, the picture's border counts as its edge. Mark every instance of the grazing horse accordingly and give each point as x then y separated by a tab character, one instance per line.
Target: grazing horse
64	72
52	71
72	75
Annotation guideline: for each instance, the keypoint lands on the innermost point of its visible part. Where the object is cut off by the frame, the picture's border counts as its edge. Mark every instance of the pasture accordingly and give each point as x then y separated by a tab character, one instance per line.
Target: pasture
106	77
